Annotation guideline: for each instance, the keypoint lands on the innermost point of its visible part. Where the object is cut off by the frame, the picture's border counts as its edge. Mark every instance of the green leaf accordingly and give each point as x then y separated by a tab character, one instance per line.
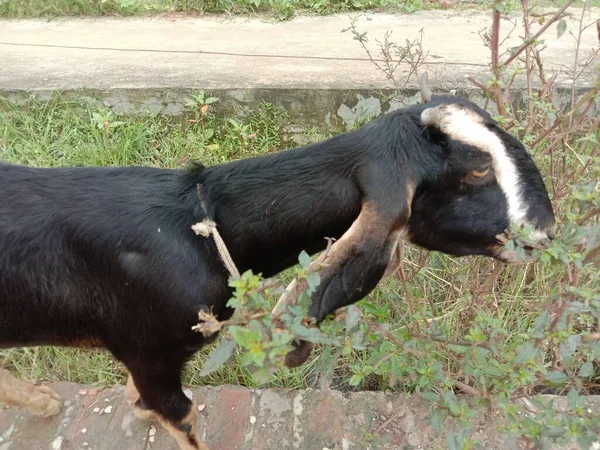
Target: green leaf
368	417
568	348
352	317
385	439
430	396
218	357
210	100
526	354
261	376
572	398
436	420
313	279
452	441
586	369
542	321
557	377
458	348
256	330
241	335
561	27
115	124
208	133
355	380
555	432
304	259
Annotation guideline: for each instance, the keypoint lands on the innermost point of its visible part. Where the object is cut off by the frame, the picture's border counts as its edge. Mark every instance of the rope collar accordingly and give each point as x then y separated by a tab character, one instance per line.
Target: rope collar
207	228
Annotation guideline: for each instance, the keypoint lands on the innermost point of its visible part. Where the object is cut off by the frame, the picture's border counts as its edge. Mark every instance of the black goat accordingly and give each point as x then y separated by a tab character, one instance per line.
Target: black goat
106	257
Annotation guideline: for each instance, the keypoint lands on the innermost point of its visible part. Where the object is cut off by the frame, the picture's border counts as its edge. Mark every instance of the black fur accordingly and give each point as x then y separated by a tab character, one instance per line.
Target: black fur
106	256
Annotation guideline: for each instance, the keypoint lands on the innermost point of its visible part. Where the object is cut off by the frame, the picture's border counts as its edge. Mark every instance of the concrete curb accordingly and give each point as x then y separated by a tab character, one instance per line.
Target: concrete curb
325	110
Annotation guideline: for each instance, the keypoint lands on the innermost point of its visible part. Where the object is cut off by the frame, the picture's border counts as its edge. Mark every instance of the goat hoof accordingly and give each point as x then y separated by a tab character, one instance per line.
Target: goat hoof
299	354
44	402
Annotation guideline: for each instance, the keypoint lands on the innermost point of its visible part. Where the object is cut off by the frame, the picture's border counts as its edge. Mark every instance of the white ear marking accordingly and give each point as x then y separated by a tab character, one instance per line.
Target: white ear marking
467	126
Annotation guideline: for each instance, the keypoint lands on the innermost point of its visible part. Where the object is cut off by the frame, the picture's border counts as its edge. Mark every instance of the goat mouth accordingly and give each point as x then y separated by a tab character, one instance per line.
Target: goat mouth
513	256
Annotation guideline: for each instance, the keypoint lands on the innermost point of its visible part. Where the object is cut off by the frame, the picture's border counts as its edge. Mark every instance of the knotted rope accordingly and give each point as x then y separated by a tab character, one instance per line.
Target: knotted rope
206	228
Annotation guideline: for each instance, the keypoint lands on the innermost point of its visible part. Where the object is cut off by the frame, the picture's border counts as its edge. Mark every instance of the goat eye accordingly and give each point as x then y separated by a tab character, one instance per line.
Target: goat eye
480	173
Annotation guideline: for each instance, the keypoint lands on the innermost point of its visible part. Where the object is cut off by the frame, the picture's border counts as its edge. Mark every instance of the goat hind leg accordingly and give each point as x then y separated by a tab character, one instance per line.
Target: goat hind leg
39	400
162	398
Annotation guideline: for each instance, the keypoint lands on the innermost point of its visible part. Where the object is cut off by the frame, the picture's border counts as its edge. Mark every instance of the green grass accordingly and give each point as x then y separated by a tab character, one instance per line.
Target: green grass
281	9
71	133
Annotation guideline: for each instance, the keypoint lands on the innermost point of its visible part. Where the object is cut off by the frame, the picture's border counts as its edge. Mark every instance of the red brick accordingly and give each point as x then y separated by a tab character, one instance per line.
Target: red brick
324	425
228	419
274	424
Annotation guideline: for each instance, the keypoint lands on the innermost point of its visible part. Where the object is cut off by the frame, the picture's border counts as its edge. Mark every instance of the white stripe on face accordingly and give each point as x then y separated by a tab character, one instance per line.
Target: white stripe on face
466	126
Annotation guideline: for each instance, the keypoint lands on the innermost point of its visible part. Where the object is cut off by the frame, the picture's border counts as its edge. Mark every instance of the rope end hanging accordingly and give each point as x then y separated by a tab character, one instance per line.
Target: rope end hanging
206	228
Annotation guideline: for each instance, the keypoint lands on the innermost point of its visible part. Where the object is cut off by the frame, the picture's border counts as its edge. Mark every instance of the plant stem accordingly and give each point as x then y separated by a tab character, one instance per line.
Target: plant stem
529	41
496	70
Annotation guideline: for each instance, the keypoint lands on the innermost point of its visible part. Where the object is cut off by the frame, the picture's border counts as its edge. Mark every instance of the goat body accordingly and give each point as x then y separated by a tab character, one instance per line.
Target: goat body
106	257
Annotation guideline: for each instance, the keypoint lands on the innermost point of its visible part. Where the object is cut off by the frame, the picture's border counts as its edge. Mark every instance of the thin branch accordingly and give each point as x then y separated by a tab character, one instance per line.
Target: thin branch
528	66
591	213
528	42
589	96
496	69
576	58
480	85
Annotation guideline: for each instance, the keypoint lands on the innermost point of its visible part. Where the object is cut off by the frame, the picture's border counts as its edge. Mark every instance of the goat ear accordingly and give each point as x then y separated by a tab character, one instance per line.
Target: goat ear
354	265
431	117
369	251
358	260
424	87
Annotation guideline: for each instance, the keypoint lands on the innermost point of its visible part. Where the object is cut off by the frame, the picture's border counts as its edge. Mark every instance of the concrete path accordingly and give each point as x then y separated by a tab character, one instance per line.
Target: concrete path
235	418
223	53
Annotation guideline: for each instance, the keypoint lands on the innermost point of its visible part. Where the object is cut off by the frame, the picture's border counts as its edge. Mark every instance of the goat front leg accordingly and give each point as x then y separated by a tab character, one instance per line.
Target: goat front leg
39	400
157	386
133	396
